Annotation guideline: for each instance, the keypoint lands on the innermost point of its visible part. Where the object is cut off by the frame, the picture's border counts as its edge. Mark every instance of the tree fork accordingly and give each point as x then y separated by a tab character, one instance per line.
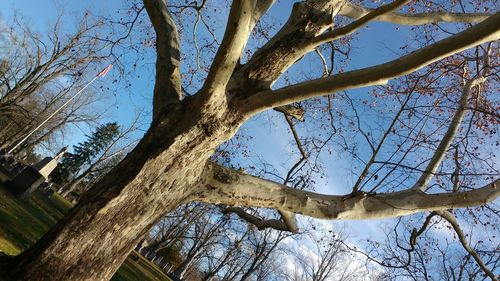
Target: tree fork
165	168
157	176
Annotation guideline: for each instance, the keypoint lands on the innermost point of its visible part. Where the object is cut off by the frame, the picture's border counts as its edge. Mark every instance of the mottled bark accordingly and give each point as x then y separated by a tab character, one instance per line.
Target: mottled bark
169	165
221	185
92	241
307	20
168	55
355	11
487	30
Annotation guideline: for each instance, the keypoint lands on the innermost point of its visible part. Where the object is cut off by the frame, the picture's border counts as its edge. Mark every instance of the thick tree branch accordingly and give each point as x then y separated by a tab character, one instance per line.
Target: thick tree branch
261	8
258	222
461	236
303	32
168	82
307	20
355	11
293	111
485	31
448	137
290	220
355	25
222	185
242	18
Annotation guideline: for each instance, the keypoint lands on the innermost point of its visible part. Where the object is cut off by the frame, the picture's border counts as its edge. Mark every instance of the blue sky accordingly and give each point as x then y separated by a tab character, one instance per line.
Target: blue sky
373	47
375	44
269	138
117	104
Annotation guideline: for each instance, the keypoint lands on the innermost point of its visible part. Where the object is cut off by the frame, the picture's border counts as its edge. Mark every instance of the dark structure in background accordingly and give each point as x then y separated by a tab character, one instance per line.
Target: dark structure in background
21	179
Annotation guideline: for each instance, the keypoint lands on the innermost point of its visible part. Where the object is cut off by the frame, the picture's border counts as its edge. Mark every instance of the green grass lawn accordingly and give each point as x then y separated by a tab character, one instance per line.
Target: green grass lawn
23	222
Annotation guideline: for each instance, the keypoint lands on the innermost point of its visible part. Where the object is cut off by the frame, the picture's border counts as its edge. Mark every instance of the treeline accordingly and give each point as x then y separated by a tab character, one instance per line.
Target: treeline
41	72
38	73
203	243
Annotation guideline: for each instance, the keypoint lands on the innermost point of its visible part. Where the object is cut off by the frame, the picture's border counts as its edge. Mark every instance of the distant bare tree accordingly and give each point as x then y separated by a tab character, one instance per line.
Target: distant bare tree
38	73
328	259
241	78
199	238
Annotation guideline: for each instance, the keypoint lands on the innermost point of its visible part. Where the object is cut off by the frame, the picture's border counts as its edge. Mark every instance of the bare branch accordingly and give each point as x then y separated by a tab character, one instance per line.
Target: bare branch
363	20
356	11
293	111
288	217
461	236
456	173
167	89
296	137
258	222
448	137
416	233
375	152
307	20
485	31
221	185
242	17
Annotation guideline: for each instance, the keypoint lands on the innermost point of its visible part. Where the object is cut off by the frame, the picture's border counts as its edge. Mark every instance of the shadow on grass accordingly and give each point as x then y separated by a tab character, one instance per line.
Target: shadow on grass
23	222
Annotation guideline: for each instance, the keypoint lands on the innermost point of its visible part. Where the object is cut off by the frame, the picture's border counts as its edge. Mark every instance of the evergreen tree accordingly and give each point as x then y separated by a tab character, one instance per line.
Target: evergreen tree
84	152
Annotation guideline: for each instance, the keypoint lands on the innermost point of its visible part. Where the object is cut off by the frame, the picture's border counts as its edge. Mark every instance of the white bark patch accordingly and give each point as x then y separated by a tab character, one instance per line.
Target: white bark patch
226	186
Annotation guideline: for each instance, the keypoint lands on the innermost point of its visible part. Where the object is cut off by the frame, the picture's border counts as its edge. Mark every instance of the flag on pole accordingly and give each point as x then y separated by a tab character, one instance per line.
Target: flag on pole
103	72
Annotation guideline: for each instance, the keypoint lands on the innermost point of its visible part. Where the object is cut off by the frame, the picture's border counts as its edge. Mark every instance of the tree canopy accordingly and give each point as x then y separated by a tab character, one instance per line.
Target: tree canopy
420	141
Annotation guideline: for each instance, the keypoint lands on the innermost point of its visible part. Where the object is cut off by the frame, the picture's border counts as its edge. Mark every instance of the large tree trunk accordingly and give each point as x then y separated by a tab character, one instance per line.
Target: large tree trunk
95	237
93	240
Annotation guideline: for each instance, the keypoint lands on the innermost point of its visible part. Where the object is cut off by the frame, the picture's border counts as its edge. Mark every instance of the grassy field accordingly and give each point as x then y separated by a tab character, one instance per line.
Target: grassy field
22	223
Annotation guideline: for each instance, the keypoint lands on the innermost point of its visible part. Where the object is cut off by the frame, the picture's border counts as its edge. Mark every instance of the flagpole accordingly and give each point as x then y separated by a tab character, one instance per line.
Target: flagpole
52	115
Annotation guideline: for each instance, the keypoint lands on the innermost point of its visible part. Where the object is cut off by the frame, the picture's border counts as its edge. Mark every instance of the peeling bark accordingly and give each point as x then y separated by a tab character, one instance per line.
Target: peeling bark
222	185
167	89
169	165
307	20
157	176
356	11
487	30
352	27
293	111
243	16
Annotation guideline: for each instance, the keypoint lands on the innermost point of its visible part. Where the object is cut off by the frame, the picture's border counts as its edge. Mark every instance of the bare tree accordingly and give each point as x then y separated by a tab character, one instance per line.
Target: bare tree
262	246
39	73
217	246
200	237
170	165
323	257
225	254
173	227
422	254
